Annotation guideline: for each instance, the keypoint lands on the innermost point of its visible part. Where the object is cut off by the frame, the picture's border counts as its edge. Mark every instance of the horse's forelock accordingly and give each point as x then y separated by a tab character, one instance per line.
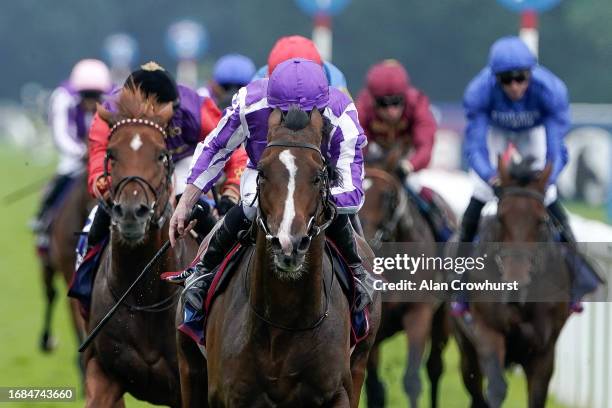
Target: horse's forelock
522	172
296	119
134	103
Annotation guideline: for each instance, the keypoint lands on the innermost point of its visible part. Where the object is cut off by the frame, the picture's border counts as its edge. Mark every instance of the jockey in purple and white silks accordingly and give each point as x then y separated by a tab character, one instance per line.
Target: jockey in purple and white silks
71	108
514	101
294	83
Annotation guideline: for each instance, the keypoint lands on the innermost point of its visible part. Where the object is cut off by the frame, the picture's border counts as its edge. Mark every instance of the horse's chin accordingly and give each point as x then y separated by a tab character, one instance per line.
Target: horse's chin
288	271
132	234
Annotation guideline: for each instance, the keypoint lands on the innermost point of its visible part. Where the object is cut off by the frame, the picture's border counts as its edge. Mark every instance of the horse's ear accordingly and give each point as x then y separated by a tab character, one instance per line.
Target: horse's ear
275	118
106	115
544	176
165	113
502	169
316	120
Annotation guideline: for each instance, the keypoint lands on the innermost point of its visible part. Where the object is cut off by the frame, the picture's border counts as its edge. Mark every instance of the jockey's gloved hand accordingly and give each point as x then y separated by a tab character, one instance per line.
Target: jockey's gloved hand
225	204
404	168
495	184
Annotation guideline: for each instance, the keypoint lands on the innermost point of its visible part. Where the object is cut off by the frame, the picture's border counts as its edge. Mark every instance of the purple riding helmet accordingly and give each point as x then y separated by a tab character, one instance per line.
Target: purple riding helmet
298	82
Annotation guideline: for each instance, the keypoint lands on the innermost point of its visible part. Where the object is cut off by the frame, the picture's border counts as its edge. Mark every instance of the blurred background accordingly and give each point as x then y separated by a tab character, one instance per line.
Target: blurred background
442	43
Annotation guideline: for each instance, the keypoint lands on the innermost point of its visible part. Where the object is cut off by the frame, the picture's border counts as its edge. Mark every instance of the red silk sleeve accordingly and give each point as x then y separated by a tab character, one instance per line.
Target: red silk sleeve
423	132
98	140
209	117
233	170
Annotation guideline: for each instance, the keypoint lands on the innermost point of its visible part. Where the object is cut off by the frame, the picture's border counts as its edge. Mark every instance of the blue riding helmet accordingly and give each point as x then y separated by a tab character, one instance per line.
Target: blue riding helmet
510	54
233	69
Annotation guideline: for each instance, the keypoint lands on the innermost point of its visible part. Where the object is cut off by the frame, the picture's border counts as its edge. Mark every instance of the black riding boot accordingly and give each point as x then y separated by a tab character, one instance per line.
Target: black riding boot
471	218
562	222
52	193
100	227
469	227
341	232
200	276
585	278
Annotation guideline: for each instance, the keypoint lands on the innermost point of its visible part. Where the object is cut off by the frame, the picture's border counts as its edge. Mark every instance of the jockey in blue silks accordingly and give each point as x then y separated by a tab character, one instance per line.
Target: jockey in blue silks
513	100
230	73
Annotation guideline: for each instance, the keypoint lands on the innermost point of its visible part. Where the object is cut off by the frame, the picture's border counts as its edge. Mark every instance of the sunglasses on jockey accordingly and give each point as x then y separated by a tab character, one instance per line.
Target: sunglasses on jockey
506	78
389	100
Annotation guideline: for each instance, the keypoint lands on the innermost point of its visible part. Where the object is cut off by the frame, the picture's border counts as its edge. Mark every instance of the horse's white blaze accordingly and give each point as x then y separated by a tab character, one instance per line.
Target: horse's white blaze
136	142
284	231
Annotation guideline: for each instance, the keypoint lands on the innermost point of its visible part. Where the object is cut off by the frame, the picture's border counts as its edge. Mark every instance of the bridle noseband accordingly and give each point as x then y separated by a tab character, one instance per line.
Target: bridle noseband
115	191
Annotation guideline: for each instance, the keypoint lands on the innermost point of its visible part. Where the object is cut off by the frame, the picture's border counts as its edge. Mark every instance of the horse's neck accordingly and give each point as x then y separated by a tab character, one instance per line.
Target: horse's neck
128	261
290	303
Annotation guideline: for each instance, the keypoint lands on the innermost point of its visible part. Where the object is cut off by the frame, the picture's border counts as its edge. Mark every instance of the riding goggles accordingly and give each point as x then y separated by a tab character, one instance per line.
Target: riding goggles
389	100
506	78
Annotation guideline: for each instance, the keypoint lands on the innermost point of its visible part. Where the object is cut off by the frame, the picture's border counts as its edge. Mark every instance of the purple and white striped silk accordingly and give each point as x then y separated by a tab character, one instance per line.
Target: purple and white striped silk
246	121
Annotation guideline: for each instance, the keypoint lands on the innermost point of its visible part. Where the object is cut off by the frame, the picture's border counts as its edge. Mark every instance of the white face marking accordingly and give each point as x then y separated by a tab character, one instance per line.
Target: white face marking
284	231
135	192
136	143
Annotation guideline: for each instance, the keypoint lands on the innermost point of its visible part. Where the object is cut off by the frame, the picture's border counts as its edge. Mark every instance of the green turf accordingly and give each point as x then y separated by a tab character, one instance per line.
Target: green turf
597	212
21	302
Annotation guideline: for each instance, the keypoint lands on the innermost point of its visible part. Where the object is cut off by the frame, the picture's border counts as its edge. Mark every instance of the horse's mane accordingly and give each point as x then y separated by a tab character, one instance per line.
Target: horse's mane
296	119
522	172
134	103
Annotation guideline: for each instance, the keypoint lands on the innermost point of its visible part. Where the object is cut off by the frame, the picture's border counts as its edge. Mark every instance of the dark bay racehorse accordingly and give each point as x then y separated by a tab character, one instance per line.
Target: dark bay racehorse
68	220
514	330
136	351
389	216
279	334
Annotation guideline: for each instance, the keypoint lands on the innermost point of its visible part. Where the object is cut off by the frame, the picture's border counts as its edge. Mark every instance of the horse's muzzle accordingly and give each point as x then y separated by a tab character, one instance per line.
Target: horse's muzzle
131	220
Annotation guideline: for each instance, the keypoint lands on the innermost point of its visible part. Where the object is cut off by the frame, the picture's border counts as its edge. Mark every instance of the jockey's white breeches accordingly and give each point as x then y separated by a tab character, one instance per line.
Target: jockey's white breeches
527	143
248	192
181	172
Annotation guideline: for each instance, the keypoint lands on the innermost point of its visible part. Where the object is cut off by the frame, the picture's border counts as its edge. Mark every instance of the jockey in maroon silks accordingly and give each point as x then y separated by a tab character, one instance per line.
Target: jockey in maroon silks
395	113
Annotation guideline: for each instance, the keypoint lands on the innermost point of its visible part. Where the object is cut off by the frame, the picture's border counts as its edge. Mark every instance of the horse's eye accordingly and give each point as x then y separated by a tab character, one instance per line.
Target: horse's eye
262	176
316	180
162	158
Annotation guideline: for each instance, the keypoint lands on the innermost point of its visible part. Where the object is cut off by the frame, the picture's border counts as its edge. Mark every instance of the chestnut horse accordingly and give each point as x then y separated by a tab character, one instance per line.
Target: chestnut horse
389	216
516	329
136	350
279	334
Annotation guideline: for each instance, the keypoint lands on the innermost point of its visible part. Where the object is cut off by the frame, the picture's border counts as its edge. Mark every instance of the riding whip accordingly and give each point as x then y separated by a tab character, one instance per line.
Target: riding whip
112	311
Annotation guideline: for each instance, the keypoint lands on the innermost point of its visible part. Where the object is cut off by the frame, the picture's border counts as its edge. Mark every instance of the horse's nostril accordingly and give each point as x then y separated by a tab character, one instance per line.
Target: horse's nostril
276	244
118	210
303	244
142	211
